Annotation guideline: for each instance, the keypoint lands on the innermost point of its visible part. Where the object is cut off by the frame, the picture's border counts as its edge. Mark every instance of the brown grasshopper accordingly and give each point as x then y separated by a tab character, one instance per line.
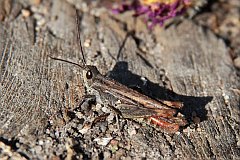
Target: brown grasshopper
128	102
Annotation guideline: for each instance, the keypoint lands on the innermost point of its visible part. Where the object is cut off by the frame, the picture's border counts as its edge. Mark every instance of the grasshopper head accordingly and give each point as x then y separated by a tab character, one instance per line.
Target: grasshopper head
90	73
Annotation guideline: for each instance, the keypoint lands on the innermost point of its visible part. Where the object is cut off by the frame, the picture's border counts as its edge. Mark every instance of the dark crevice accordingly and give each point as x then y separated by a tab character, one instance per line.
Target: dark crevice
211	154
172	148
13	144
208	7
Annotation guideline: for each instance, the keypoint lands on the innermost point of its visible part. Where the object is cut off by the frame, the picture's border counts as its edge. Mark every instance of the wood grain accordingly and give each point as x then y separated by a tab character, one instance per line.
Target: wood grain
184	62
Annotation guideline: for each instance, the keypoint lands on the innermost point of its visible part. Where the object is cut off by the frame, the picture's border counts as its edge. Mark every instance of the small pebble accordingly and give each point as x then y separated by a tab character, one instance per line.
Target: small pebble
87	43
236	62
85	129
132	132
38	149
41	22
105	109
110	117
238	143
98	106
79	115
199	130
40	142
107	155
26	13
102	141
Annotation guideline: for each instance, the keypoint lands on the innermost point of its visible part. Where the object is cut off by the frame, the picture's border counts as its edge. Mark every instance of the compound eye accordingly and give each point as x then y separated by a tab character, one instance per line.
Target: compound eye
89	74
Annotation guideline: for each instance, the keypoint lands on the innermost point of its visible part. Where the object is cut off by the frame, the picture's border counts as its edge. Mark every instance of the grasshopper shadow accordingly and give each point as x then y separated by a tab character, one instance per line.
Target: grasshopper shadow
192	104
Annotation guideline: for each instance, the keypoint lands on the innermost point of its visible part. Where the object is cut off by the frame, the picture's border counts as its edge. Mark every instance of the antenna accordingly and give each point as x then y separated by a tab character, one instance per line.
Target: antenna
63	60
79	36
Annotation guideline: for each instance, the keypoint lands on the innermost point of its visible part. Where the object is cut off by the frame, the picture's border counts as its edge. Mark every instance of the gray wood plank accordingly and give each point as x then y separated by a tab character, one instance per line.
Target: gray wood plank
183	62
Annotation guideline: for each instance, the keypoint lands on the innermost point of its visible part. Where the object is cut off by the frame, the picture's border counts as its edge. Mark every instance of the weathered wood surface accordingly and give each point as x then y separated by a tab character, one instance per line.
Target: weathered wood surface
183	62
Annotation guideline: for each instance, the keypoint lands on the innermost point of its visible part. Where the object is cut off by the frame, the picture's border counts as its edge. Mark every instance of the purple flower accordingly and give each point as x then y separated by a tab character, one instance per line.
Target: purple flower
156	12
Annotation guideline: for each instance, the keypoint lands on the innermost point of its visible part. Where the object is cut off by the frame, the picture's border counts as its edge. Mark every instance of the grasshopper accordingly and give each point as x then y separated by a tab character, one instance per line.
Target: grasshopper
128	102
